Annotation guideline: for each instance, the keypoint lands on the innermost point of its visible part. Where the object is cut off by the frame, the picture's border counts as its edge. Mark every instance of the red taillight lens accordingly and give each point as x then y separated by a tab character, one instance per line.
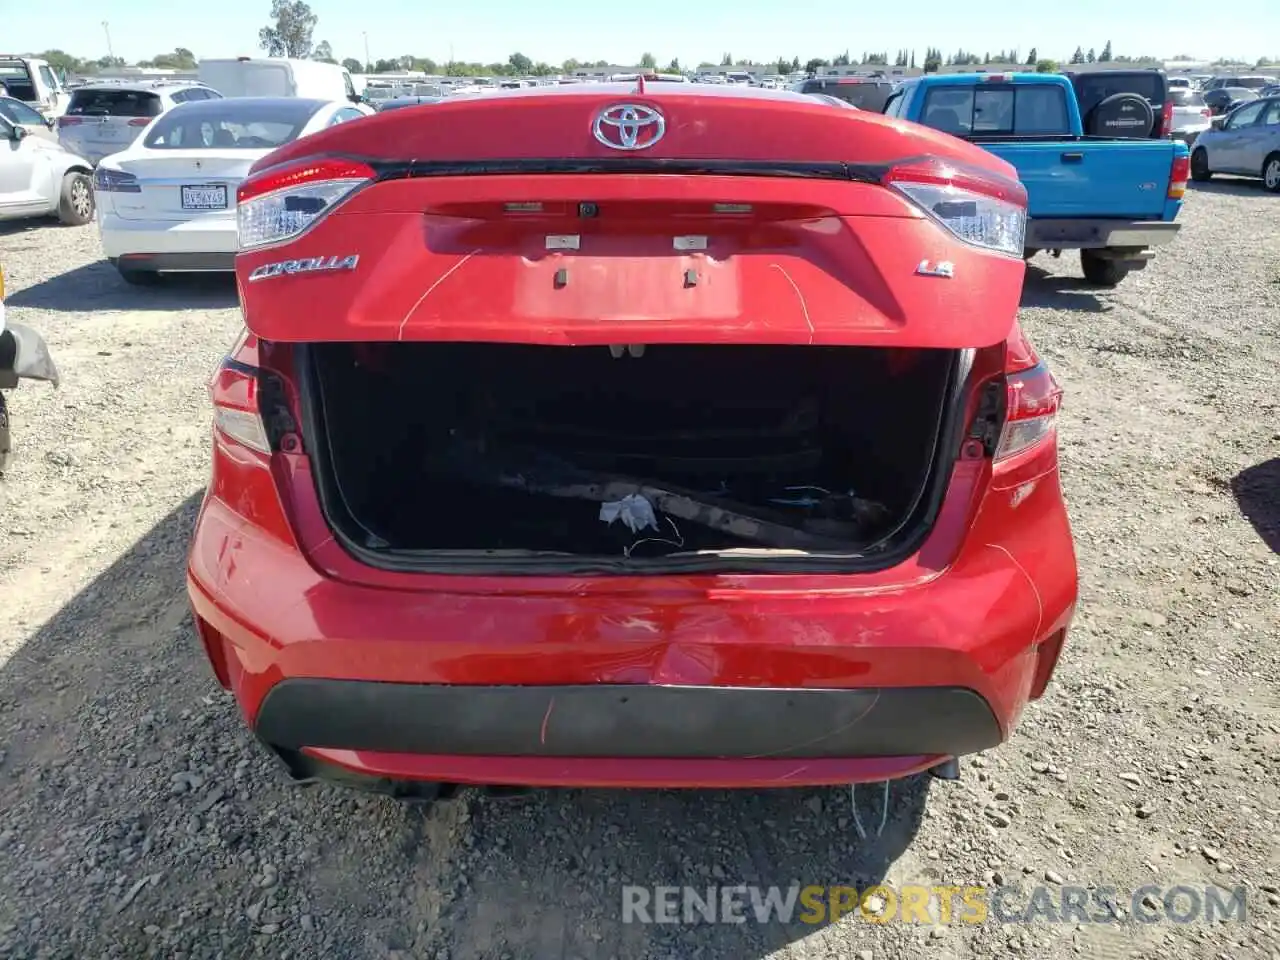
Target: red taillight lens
139	121
1178	177
281	202
1033	398
234	392
65	121
978	206
1166	119
1206	113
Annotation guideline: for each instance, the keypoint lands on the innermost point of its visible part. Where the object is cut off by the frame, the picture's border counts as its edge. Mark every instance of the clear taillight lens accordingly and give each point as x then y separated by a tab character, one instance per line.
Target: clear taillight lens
977	206
1031	410
234	392
280	204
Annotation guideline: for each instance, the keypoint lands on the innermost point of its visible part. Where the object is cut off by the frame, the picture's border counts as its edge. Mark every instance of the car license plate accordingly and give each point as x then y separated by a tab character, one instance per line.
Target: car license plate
204	198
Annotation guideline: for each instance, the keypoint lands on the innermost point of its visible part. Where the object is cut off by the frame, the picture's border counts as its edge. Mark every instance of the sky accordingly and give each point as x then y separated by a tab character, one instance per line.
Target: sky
693	30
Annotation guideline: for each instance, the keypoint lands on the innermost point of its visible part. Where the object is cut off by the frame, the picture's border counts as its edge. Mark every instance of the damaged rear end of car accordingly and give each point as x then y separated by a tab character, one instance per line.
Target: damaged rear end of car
662	426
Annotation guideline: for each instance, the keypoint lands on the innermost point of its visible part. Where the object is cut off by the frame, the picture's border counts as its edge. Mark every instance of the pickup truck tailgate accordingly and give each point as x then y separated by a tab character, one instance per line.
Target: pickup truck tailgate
1091	178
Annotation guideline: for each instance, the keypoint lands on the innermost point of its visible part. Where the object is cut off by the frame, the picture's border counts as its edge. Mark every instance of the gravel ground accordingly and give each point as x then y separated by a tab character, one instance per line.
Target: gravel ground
140	820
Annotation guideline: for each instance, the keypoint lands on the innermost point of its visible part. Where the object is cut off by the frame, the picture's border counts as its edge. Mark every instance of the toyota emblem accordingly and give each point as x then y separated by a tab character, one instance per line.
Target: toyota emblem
629	126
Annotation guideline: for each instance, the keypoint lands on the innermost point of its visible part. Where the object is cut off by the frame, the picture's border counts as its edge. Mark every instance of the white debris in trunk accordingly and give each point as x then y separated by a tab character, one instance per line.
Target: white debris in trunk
633	510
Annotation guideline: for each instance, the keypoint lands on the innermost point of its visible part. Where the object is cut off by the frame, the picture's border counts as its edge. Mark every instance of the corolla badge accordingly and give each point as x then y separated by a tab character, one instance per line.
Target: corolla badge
943	268
629	126
306	265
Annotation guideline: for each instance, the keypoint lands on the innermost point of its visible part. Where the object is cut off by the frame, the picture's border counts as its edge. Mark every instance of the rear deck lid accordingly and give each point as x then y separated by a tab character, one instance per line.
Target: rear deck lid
611	214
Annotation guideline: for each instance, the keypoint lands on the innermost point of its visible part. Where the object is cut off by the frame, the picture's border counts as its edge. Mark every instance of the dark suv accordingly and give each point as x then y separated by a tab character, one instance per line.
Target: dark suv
1094	87
865	93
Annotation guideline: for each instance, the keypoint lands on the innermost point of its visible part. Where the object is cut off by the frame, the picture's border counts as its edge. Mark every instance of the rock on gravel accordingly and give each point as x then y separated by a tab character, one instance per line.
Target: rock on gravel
140	819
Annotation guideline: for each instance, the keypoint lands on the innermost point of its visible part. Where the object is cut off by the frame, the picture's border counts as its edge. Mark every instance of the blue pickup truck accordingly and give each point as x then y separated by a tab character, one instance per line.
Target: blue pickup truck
1099	185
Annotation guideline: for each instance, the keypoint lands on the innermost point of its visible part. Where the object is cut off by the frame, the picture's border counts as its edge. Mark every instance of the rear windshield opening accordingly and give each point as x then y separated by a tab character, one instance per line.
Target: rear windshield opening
1185	98
1092	90
997	110
114	103
229	125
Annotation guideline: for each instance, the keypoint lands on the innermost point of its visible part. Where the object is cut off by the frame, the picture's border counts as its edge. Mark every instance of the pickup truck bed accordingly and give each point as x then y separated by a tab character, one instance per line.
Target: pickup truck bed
1112	199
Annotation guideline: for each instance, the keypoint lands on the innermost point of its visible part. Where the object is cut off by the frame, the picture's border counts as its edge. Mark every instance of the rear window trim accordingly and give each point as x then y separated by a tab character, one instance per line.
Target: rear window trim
1002	135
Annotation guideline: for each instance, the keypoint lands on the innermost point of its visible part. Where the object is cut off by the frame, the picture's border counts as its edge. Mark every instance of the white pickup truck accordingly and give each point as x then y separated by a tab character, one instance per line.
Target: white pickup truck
33	82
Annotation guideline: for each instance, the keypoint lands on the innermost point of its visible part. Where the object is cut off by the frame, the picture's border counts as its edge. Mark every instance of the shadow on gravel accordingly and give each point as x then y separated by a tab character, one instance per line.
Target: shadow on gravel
1044	289
139	814
1257	491
98	286
1238	187
552	870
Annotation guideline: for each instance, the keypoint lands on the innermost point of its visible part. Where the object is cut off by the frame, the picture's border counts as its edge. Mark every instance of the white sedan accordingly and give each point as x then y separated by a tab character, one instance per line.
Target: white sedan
168	202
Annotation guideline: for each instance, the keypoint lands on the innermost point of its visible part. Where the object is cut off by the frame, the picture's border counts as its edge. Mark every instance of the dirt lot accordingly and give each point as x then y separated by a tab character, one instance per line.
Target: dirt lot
139	819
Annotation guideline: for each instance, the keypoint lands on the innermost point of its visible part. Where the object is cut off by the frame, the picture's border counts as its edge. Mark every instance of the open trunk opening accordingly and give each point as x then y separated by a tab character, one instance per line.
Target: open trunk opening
432	453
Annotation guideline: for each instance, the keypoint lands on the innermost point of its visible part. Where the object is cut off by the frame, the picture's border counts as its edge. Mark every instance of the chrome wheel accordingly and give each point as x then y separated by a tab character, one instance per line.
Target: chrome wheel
1271	174
81	198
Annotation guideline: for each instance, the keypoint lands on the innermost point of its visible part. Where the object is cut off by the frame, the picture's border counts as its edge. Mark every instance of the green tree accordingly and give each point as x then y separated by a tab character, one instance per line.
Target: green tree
648	61
1046	66
180	59
674	66
290	36
1105	55
1078	56
814	65
519	63
795	63
353	65
1032	59
323	52
1091	57
61	61
726	60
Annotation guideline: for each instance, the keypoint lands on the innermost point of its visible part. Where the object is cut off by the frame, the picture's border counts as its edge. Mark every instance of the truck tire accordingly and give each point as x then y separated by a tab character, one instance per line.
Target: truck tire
1200	171
6	440
1271	172
75	205
1125	115
1100	271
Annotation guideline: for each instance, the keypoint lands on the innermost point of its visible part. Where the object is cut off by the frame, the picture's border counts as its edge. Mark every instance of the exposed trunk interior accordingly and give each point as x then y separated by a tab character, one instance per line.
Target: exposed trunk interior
630	453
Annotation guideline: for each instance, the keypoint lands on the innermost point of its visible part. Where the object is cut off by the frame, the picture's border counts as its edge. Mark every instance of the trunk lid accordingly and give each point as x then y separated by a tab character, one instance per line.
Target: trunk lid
730	216
1104	178
182	185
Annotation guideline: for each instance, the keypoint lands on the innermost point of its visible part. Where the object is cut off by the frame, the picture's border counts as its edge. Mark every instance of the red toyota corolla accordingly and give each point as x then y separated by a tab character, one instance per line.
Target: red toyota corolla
604	435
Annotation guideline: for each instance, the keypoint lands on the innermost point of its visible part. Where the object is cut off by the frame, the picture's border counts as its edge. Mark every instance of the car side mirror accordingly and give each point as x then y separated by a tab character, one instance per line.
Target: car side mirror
17	133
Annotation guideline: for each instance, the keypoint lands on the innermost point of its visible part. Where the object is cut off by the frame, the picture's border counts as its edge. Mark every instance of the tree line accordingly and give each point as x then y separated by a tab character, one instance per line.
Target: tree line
292	28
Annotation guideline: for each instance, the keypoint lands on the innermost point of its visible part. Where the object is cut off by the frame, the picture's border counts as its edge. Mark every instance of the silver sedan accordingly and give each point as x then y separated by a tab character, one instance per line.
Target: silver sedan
1247	144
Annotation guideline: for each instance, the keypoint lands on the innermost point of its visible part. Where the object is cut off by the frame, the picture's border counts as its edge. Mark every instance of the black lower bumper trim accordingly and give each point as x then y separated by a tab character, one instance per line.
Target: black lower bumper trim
179	262
613	720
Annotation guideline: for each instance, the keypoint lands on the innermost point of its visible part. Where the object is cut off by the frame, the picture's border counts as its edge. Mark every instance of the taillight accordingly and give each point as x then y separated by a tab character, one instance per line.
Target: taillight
280	203
1166	119
115	181
977	206
1206	113
1031	408
1178	177
234	392
65	121
139	121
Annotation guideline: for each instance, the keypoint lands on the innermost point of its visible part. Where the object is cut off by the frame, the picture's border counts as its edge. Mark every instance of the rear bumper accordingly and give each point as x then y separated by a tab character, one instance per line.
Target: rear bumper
1086	234
727	680
197	244
625	720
